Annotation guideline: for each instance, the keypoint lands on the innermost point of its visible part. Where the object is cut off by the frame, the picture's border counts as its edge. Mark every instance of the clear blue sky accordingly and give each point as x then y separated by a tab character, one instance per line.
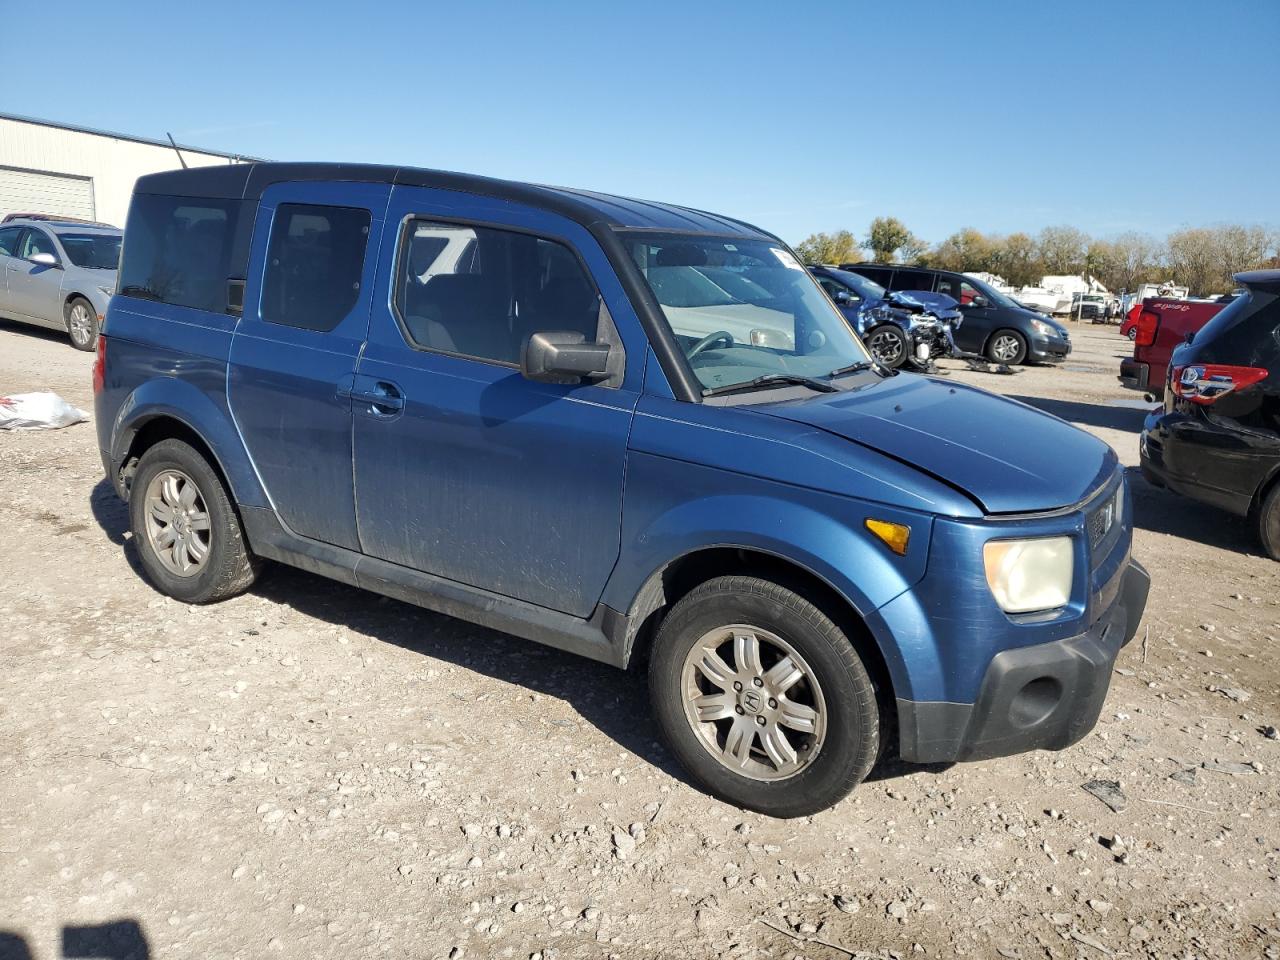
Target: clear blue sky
1118	115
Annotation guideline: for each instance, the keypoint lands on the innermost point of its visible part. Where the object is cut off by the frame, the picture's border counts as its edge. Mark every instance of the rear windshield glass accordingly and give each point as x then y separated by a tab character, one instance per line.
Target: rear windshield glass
179	250
93	251
1227	317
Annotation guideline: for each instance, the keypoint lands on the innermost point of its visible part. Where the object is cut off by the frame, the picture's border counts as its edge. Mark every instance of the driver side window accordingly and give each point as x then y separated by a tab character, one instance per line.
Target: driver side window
837	290
35	242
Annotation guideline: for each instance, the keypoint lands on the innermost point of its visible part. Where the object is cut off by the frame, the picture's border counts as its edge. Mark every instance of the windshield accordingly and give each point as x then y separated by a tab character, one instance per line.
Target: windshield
866	289
93	251
743	309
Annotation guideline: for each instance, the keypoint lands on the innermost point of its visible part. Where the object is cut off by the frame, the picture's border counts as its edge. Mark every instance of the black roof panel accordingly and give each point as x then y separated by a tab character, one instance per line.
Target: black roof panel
248	180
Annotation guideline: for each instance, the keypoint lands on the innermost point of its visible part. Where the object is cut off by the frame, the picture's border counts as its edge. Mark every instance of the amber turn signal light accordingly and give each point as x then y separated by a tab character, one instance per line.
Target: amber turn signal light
892	535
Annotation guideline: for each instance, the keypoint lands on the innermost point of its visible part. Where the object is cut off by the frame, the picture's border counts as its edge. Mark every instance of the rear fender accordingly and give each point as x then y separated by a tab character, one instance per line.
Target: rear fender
179	400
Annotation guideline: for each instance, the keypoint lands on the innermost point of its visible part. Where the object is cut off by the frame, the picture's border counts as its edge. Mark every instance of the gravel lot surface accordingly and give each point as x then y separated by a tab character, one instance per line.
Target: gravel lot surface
311	771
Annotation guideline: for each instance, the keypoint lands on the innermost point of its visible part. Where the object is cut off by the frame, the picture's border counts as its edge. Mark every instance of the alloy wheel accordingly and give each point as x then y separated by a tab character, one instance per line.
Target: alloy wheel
1005	347
886	346
753	702
81	323
177	523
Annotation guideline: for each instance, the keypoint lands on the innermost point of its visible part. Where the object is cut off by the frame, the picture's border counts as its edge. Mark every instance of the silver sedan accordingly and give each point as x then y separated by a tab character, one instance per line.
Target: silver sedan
58	274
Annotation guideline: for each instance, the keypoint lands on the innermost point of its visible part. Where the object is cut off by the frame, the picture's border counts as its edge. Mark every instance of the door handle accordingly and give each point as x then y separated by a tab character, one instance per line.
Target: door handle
384	399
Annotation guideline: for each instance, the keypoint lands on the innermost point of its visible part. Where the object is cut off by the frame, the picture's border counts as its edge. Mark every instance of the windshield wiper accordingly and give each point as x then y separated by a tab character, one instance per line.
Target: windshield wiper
851	368
770	380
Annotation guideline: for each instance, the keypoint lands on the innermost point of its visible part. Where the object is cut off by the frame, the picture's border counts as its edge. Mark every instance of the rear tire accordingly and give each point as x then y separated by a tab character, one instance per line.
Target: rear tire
1269	522
82	324
1133	333
790	724
185	528
1008	347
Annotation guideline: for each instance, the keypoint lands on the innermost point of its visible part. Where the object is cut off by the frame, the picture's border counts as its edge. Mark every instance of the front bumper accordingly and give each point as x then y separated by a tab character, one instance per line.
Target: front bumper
1041	697
1048	349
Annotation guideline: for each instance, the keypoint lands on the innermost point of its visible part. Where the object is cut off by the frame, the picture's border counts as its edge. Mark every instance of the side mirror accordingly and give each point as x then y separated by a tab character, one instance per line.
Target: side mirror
44	259
563	356
842	297
978	301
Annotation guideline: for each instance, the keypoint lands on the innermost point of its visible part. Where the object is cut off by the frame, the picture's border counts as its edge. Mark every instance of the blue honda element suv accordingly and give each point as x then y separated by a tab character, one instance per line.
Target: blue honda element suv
634	431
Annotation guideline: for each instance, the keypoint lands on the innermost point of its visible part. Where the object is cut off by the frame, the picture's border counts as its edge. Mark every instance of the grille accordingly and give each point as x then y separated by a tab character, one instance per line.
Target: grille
1104	519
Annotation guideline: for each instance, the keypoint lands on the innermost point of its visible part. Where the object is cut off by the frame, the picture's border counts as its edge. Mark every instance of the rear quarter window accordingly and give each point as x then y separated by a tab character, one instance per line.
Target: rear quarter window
178	250
1246	331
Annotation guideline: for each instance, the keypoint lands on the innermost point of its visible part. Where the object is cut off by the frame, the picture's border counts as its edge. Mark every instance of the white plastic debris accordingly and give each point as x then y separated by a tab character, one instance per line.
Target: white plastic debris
38	411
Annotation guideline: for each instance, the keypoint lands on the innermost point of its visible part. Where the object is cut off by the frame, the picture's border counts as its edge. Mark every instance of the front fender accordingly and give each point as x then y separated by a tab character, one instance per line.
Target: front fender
191	406
675	508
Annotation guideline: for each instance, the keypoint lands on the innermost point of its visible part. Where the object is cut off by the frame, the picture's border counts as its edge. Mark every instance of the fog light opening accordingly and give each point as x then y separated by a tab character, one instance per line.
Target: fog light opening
1035	701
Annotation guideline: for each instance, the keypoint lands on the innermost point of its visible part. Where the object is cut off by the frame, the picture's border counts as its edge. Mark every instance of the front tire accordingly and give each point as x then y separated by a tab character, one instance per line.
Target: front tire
185	527
82	324
1133	333
762	697
1269	522
888	344
1007	347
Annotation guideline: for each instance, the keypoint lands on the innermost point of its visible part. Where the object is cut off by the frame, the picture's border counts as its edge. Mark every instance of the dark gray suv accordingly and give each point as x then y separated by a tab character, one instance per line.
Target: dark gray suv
994	324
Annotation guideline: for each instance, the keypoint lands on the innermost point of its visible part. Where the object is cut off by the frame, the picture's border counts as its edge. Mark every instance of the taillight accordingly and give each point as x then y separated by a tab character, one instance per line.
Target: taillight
100	365
1148	321
1203	383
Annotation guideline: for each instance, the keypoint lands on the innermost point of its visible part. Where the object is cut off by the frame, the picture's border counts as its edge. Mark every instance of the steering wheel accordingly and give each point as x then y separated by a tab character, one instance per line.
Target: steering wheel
720	336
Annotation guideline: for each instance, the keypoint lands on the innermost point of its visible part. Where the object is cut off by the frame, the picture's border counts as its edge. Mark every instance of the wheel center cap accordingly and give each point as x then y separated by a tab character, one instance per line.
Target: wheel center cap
751	701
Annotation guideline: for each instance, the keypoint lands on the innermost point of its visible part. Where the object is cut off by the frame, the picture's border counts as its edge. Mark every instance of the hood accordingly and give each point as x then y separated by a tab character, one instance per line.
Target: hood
1005	455
939	304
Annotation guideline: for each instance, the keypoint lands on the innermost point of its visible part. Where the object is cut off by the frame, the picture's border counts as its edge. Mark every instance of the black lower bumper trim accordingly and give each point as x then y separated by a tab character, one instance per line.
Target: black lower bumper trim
1044	697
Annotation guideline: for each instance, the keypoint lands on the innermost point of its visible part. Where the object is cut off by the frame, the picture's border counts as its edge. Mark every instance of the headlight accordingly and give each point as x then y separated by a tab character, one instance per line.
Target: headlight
1029	575
108	289
1045	329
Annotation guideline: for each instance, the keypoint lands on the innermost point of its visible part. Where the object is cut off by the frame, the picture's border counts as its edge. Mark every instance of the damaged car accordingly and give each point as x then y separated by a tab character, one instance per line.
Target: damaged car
912	327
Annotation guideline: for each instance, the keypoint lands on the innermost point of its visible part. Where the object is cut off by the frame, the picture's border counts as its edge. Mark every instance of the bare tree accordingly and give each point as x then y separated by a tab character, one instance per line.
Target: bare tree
1241	248
1133	258
1062	249
1194	259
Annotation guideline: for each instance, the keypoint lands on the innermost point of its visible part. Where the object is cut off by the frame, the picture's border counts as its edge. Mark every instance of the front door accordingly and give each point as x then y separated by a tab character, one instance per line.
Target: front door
293	356
35	289
465	469
981	317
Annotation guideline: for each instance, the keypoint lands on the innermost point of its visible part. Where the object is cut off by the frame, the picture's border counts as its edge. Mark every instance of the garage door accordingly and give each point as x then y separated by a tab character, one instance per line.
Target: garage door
33	191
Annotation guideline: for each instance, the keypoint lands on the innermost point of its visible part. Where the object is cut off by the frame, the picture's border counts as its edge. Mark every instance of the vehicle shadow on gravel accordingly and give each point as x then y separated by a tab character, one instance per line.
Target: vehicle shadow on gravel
1090	414
614	701
116	940
35	333
1162	511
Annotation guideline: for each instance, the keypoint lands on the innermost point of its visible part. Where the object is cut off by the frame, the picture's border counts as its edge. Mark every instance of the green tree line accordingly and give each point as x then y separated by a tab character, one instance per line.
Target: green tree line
1202	258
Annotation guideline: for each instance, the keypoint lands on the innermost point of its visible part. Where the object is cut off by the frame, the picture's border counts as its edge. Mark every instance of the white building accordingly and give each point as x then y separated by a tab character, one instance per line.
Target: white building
71	171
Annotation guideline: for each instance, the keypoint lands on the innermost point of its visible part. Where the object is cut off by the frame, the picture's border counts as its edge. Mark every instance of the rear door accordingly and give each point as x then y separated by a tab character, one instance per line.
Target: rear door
35	289
293	357
465	469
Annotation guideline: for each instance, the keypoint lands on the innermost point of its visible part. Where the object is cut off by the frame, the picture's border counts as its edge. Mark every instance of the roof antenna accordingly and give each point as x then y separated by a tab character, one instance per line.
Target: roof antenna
175	149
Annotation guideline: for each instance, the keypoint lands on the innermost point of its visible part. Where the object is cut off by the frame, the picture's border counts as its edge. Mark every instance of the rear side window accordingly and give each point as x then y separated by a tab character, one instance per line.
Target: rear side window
481	292
912	280
1245	331
314	263
178	250
880	275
